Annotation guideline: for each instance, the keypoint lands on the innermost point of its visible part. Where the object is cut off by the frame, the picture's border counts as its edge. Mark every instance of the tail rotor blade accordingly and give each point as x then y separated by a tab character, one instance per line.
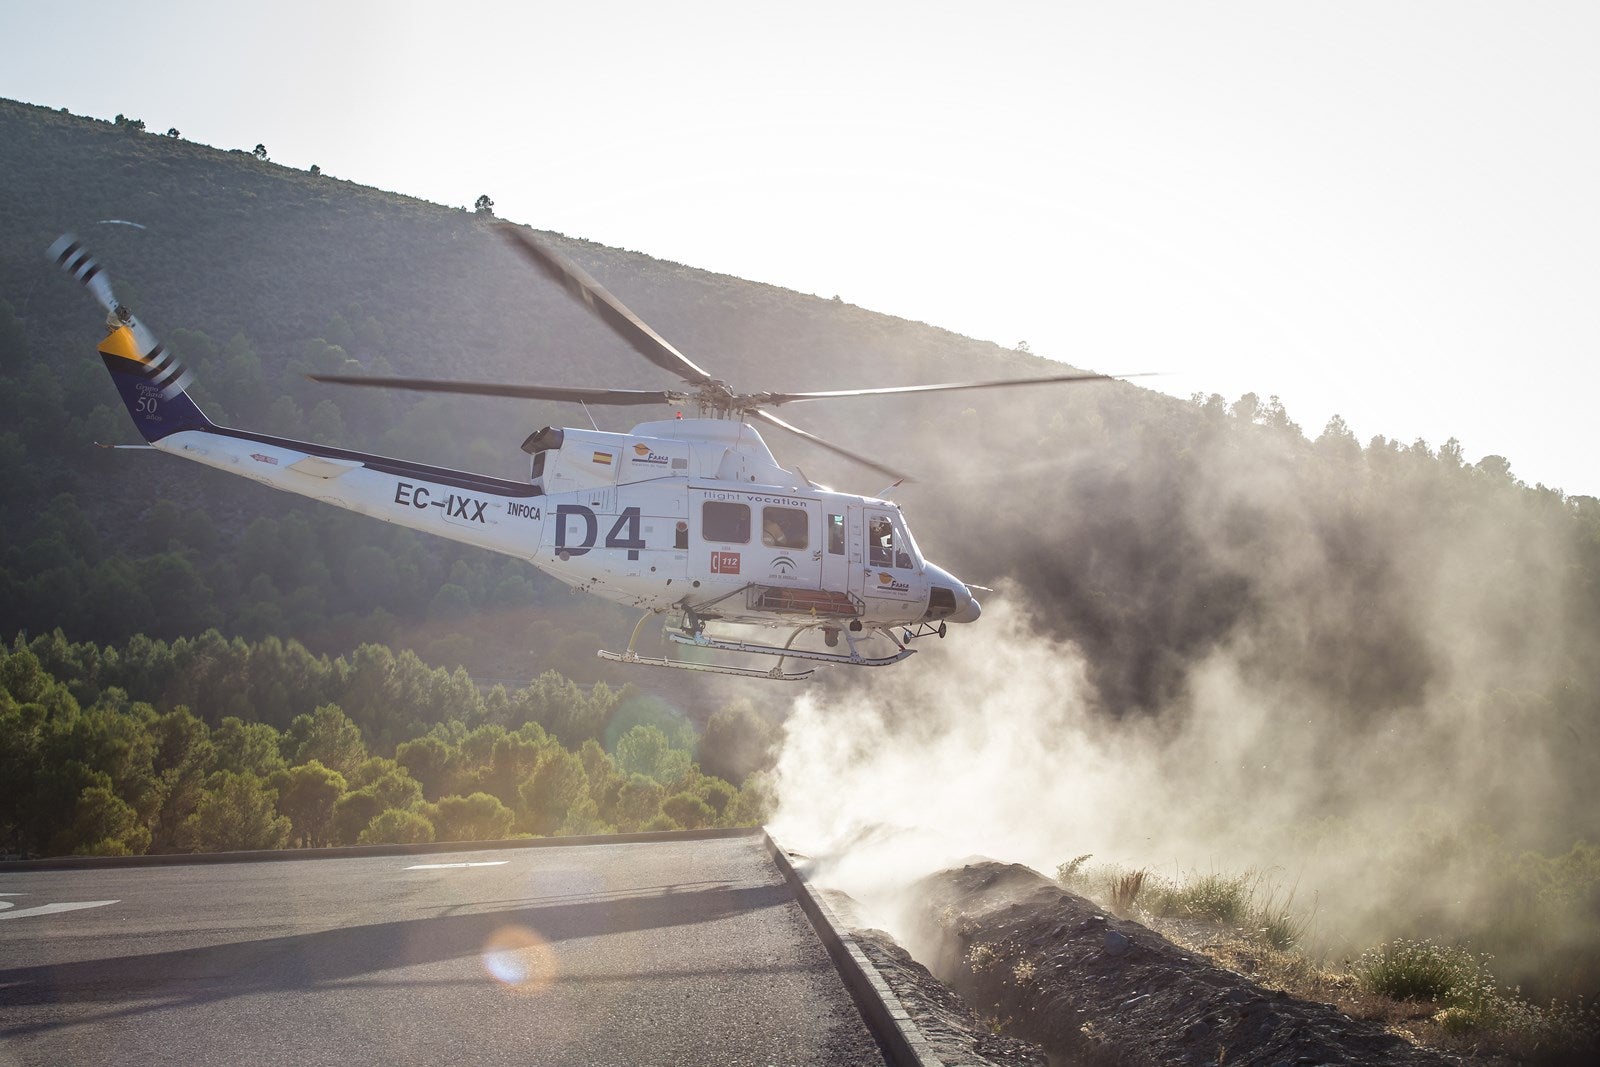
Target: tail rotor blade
169	373
69	254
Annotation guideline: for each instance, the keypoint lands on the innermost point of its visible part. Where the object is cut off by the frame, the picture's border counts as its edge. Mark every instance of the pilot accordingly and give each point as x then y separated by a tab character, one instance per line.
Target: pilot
879	536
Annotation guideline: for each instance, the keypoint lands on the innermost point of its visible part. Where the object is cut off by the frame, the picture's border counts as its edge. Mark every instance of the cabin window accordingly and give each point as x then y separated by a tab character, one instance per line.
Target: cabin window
725	523
836	535
783	527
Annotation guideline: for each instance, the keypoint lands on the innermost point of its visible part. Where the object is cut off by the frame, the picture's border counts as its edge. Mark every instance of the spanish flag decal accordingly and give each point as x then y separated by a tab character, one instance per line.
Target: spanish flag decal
603	457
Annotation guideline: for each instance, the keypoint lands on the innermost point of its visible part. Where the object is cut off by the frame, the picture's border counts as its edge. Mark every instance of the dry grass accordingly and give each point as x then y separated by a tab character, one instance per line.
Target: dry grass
1486	1025
1431	995
1125	893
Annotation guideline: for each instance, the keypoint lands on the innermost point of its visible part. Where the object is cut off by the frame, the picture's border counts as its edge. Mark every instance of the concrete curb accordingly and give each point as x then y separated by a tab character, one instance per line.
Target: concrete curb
903	1042
78	863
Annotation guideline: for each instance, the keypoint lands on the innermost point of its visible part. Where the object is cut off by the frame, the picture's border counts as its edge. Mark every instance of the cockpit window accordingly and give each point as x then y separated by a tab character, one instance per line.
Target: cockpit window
887	544
880	541
783	527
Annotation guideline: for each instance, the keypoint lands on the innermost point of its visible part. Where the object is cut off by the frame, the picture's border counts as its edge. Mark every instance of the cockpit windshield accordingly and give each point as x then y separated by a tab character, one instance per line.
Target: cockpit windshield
908	542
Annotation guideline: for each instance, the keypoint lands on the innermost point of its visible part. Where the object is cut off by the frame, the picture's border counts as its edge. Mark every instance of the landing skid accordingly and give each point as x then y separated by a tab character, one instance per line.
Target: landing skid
775	674
698	639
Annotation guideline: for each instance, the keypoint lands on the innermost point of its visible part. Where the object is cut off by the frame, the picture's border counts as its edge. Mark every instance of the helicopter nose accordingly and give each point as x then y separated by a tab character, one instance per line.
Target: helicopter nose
949	599
969	608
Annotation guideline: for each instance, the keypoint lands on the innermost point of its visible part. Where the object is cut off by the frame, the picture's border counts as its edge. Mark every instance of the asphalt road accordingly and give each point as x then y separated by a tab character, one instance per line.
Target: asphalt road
665	952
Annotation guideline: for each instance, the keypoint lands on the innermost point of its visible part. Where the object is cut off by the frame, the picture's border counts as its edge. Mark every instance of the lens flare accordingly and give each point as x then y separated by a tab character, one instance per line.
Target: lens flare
519	959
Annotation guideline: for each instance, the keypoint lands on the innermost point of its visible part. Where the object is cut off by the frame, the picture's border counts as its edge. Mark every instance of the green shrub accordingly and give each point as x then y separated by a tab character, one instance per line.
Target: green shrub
1217	898
1424	971
397	827
1276	923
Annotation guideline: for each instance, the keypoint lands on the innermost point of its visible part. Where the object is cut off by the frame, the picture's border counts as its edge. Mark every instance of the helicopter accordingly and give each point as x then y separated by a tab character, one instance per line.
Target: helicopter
692	519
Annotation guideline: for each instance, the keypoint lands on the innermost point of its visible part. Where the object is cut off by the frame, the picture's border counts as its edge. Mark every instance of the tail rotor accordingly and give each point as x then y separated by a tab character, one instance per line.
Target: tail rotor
165	371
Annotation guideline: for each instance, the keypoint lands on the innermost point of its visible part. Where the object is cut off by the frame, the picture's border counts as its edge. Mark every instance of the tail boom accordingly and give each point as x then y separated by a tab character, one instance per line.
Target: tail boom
478	509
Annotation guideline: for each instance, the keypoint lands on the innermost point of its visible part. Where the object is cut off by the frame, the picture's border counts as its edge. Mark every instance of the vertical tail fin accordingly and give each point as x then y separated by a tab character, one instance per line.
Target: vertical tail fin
157	410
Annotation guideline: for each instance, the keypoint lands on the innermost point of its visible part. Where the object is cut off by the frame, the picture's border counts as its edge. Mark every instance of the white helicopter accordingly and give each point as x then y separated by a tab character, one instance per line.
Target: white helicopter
688	518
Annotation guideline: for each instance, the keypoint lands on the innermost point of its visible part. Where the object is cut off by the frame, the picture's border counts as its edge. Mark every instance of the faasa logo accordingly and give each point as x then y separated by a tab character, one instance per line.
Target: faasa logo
642	454
724	563
887	581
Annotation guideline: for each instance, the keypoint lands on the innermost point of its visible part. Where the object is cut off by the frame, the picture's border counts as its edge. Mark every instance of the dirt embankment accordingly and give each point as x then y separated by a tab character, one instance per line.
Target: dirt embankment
1092	989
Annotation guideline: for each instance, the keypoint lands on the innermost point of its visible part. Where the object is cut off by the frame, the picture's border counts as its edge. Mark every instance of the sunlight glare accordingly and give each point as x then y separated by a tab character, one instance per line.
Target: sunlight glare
519	959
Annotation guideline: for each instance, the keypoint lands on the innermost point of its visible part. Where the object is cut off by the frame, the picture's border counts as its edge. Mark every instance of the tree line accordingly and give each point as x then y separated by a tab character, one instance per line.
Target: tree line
216	753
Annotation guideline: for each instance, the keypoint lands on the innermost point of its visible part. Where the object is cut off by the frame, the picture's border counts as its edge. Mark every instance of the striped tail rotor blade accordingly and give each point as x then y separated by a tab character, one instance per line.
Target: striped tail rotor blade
164	368
69	254
166	371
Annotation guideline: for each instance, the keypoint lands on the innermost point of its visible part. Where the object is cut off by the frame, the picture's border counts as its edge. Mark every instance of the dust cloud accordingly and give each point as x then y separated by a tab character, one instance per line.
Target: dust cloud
996	748
1299	675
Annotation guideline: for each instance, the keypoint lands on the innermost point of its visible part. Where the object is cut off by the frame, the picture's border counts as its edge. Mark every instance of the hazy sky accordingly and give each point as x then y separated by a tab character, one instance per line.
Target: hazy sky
1384	210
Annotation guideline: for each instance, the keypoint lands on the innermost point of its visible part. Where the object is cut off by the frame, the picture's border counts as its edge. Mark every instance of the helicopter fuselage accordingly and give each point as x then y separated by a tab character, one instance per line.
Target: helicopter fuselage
683	514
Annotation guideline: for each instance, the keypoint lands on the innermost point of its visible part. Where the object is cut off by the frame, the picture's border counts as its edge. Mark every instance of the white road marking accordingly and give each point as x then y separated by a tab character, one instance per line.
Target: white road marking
446	866
53	909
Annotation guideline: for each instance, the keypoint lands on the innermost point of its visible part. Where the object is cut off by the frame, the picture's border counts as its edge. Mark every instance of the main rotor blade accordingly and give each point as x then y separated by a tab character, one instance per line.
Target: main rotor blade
789	398
521	392
630	327
769	417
